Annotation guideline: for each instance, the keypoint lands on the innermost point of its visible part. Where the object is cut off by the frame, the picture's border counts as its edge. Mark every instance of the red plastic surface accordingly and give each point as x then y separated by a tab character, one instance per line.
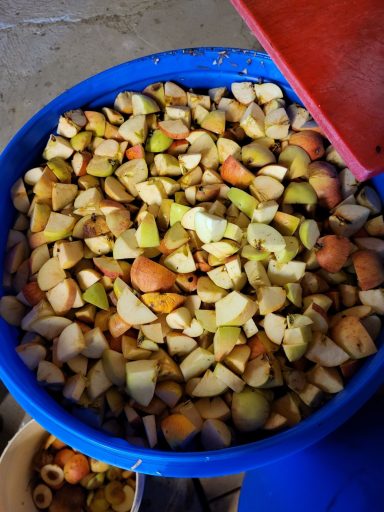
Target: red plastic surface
332	53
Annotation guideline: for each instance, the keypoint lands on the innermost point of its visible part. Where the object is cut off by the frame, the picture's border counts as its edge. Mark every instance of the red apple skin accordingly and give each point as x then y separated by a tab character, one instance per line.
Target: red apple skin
178	147
257	347
325	180
32	293
233	172
135	152
148	276
333	253
349	368
369	269
335	297
173	134
310	141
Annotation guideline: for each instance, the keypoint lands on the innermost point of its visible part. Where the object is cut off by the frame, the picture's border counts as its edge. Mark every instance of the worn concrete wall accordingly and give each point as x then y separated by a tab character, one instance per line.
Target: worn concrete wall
48	46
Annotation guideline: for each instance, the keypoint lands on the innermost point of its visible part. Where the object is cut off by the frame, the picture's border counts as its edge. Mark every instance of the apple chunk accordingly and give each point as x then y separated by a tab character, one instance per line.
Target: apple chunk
234	310
149	276
350	334
132	310
141	377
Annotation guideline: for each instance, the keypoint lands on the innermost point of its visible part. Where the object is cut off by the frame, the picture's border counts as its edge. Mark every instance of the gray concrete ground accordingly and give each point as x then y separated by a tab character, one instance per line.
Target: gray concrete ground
48	46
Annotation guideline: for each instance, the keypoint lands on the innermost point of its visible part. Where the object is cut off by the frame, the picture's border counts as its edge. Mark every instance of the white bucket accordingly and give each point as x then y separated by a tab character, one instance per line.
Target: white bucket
16	471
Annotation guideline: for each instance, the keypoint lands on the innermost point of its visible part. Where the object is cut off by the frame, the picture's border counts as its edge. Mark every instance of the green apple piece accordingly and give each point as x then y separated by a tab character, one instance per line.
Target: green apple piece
177	212
256	274
147	234
285	223
229	378
209	386
233	232
209	228
81	140
134	130
158	142
242	200
252	121
283	273
141	377
257	371
224	341
214	122
296	160
97	296
309	233
101	166
58	227
70	343
270	299
251	253
265	212
250	410
167	165
126	246
297	335
207	318
61	169
196	363
256	155
296	320
181	260
299	193
151	192
295	351
142	104
221	250
264	237
234	310
275	326
175	237
291	249
215	435
114	366
132	310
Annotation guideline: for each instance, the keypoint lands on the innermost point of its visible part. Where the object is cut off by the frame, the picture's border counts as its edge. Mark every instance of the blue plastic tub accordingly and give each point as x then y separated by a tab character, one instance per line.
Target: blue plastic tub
198	68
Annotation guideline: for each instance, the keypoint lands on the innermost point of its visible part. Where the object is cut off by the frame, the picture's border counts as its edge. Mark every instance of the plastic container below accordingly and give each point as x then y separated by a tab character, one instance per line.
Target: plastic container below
197	68
16	471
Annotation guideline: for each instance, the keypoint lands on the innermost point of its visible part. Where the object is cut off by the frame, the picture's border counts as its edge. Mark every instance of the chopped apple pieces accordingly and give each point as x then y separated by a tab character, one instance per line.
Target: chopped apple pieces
203	262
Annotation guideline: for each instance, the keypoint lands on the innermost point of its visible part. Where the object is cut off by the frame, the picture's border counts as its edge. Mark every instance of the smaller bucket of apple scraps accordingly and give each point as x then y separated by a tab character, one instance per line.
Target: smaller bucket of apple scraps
39	472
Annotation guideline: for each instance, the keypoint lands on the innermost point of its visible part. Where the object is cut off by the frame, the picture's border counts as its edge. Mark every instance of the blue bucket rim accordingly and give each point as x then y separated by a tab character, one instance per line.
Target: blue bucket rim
208	463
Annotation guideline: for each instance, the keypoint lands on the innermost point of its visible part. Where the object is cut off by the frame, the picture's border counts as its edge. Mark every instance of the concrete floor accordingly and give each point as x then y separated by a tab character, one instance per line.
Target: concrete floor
48	46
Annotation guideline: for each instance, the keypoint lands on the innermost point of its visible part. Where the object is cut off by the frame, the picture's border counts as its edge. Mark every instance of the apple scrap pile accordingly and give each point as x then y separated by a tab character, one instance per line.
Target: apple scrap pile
65	480
194	266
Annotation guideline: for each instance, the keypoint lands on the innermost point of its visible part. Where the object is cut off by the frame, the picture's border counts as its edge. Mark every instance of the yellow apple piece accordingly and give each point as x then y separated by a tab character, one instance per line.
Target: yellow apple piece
299	193
275	326
96	295
209	228
59	226
50	274
134	130
224	340
98	382
214	122
195	363
250	410
215	435
162	302
234	310
252	121
257	371
296	160
208	150
62	296
207	318
39	217
283	273
181	260
149	276
270	299
147	234
70	253
180	344
132	310
31	354
256	274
